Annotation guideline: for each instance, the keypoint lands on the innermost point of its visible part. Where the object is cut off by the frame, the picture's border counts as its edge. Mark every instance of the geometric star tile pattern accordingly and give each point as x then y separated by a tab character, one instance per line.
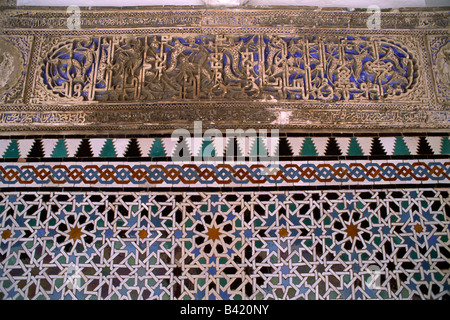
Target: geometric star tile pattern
314	244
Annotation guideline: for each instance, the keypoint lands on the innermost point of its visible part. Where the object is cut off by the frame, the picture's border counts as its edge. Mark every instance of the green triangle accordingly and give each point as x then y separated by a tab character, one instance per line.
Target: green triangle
258	148
108	149
308	148
157	149
12	151
208	149
354	149
60	149
400	147
445	145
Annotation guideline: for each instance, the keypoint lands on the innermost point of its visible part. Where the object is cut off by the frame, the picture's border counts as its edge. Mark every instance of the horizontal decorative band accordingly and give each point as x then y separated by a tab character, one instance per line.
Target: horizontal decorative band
167	116
204	18
245	146
217	174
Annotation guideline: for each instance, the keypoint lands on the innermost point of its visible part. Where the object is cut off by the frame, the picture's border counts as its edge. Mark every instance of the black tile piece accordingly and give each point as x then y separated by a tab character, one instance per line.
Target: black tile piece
236	150
84	149
284	149
332	148
37	150
133	149
424	147
377	148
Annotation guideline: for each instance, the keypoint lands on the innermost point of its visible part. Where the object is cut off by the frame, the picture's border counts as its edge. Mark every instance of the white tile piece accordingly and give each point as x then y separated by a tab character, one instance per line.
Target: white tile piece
48	145
343	144
72	146
412	143
320	144
272	145
296	144
97	145
388	144
145	144
435	144
245	143
4	143
365	143
25	147
195	145
121	146
220	144
169	145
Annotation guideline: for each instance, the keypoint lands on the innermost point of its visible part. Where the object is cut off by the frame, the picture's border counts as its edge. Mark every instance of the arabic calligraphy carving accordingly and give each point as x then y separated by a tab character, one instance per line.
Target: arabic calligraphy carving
236	67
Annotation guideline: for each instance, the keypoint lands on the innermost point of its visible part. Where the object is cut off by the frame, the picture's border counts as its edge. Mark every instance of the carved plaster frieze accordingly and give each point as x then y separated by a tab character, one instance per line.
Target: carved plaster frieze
227	67
291	68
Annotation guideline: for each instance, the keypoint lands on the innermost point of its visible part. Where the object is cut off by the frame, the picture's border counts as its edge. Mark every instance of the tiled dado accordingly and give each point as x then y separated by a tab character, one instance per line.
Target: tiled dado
282	146
328	244
295	173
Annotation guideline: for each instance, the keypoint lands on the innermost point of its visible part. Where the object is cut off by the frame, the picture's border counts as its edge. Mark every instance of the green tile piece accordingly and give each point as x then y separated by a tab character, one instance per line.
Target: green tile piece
108	149
445	145
308	148
400	147
157	149
258	148
12	151
207	149
354	149
60	149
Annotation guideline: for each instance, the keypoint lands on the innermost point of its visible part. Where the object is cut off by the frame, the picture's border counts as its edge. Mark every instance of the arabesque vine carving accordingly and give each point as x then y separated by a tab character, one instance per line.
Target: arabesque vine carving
236	67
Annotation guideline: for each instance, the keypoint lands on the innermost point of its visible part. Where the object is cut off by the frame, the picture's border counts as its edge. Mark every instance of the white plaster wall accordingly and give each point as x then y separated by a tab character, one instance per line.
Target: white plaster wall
318	3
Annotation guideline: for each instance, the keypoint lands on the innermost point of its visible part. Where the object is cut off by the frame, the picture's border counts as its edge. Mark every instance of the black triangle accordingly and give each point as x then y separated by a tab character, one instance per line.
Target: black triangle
284	149
424	147
133	149
84	149
377	148
36	150
181	148
332	148
236	150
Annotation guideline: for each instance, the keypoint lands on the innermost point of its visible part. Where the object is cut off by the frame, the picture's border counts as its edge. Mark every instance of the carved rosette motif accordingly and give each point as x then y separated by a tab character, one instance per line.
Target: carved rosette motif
228	67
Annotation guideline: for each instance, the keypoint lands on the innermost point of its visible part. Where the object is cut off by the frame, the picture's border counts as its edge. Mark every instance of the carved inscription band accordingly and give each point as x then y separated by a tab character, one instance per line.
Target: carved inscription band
233	67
